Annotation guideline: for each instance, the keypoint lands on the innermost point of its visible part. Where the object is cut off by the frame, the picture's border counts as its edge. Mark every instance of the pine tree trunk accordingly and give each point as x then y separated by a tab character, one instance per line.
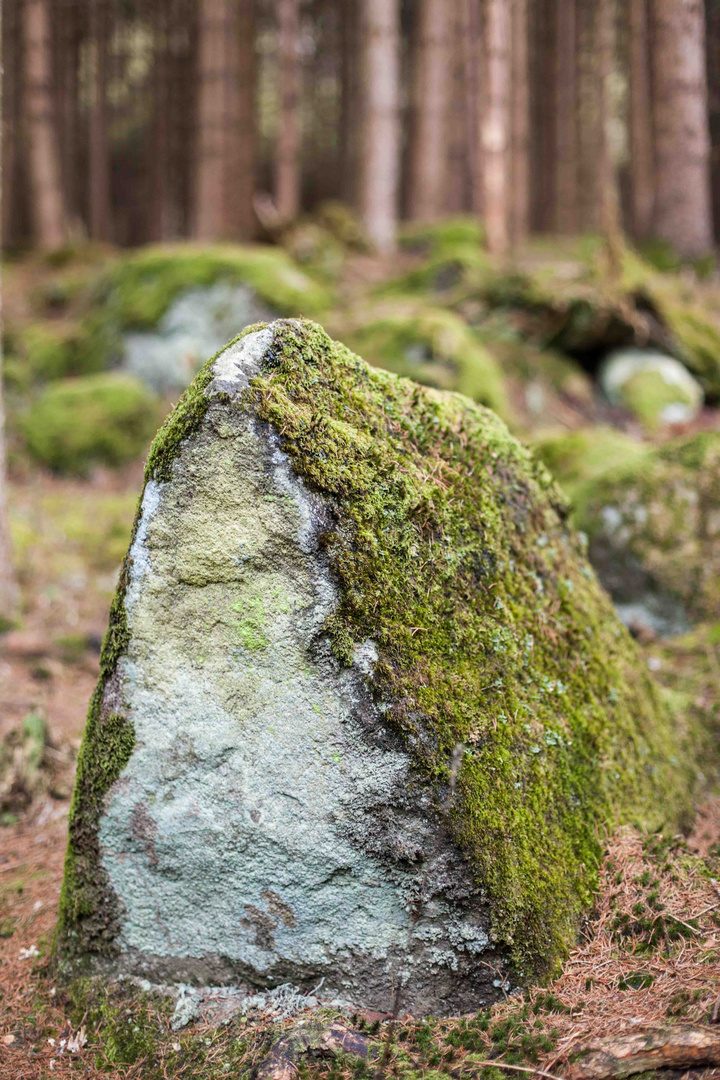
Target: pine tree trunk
520	122
496	126
682	142
566	112
349	78
430	85
457	185
609	193
226	140
380	142
9	593
49	218
473	46
641	138
99	164
287	161
712	9
590	129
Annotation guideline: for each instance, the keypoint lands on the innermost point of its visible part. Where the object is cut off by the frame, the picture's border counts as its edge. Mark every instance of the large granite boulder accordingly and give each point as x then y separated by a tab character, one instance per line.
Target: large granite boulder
363	708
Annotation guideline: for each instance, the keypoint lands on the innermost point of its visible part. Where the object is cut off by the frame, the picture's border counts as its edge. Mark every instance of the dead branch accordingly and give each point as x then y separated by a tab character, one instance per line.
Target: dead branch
660	1048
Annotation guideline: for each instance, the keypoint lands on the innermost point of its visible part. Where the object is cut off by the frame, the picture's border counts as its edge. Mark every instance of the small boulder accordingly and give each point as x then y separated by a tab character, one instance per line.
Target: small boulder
363	708
654	387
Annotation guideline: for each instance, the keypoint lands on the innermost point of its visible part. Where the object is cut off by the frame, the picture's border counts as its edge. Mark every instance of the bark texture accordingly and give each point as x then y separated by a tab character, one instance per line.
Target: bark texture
49	216
225	138
644	1051
380	142
682	141
496	125
287	161
431	75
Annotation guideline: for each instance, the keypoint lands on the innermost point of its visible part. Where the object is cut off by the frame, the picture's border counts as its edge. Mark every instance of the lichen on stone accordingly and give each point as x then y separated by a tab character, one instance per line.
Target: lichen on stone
448	549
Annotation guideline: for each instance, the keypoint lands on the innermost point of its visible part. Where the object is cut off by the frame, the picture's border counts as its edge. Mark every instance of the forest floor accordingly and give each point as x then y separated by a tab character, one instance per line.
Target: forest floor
649	955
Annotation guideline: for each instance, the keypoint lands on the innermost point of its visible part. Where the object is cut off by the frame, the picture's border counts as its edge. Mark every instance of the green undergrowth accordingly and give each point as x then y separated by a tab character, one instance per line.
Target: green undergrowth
452	552
103	419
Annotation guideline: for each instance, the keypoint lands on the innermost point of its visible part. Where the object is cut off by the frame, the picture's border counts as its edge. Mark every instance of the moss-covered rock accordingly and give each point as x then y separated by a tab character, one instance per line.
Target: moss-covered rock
433	346
577	458
364	710
104	419
654	529
563	294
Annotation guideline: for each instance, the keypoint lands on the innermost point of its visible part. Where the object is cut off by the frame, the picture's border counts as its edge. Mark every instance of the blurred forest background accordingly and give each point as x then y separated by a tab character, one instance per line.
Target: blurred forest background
131	122
518	200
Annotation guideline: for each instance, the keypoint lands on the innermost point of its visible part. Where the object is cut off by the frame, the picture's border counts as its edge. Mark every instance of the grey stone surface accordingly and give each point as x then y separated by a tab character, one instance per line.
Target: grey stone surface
268	826
196	325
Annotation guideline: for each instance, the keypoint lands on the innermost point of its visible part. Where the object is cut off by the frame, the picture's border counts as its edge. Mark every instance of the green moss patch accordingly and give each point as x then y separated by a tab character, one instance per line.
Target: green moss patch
576	458
138	290
435	347
104	419
452	553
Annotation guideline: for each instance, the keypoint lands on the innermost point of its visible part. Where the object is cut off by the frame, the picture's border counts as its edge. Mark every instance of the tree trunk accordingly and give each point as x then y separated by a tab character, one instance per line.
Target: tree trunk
520	122
9	593
712	10
496	126
99	164
641	140
380	144
226	137
287	161
431	72
682	142
590	131
457	185
566	118
472	40
609	194
49	216
348	138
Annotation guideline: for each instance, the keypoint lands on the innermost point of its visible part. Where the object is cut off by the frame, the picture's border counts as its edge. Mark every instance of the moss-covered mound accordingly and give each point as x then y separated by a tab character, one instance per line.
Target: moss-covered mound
451	552
433	346
654	526
139	289
577	458
104	419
